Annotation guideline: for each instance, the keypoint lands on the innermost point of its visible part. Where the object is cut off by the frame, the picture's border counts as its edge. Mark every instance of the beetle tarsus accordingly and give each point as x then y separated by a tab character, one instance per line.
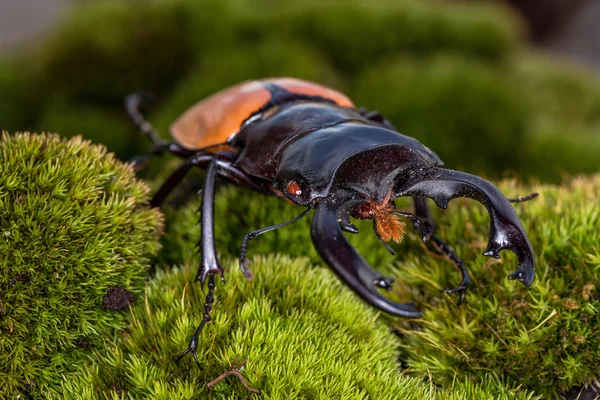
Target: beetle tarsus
206	319
133	104
427	225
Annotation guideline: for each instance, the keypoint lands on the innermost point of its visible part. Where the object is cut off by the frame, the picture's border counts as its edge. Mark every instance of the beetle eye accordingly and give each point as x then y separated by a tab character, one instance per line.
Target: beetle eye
293	188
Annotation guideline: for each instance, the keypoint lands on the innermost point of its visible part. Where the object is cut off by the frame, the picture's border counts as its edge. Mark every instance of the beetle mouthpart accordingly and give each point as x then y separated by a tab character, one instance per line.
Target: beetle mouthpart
348	265
506	231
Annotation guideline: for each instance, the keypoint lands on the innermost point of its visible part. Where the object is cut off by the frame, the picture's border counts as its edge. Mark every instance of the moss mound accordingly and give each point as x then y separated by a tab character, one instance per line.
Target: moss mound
544	338
73	223
304	337
480	110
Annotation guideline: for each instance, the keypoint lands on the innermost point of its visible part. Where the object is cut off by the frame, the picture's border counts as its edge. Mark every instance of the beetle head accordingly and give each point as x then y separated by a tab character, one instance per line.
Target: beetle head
358	158
353	169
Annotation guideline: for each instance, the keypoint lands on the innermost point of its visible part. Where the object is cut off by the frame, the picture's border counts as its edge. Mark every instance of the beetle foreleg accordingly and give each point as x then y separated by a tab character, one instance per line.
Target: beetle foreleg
251	235
210	263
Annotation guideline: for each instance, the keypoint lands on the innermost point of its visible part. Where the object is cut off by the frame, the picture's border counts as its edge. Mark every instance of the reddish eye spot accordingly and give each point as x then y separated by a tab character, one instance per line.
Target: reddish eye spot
293	188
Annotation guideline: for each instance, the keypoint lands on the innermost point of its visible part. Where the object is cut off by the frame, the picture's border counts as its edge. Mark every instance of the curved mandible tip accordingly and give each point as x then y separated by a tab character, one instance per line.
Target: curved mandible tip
506	231
348	265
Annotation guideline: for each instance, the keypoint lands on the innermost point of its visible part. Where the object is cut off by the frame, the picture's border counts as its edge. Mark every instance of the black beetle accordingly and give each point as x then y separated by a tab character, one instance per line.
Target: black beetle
307	143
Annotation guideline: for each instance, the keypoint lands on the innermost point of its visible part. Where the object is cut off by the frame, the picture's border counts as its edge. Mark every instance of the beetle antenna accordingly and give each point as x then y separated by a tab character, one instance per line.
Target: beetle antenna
251	235
416	221
522	199
133	104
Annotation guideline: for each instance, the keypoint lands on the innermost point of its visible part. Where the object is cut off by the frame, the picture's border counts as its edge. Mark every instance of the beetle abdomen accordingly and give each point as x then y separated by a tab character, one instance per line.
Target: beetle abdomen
215	119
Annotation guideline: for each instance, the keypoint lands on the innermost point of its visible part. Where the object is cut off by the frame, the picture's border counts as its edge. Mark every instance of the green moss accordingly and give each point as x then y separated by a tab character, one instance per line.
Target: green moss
357	34
545	338
304	337
73	222
462	109
502	328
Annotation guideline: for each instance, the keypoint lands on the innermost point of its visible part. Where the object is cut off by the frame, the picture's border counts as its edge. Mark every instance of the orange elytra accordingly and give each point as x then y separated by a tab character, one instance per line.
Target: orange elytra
214	120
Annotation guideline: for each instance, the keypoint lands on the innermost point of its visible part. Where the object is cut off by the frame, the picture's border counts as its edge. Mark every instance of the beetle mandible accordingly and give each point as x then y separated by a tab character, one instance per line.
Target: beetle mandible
309	144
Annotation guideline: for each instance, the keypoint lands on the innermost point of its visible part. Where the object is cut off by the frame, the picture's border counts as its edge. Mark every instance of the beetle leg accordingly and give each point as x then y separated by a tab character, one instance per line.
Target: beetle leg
206	319
175	178
422	210
376	116
348	265
210	263
133	104
506	231
251	235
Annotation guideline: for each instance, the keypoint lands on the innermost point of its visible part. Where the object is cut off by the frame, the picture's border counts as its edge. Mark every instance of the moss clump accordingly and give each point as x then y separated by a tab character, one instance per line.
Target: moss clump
546	338
73	223
455	105
304	337
354	35
564	116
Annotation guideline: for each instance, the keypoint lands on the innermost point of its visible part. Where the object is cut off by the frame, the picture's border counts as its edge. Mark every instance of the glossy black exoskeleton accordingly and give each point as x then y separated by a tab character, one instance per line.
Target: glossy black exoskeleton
308	143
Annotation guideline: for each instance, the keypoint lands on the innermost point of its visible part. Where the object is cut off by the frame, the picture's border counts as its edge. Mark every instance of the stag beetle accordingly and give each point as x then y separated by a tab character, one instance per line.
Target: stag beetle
309	144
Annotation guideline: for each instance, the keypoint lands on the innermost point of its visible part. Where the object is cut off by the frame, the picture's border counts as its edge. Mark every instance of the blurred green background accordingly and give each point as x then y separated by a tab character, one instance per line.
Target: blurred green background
457	76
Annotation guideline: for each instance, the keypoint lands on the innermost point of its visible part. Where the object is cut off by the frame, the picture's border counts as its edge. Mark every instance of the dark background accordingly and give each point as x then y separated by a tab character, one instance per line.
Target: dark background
486	86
